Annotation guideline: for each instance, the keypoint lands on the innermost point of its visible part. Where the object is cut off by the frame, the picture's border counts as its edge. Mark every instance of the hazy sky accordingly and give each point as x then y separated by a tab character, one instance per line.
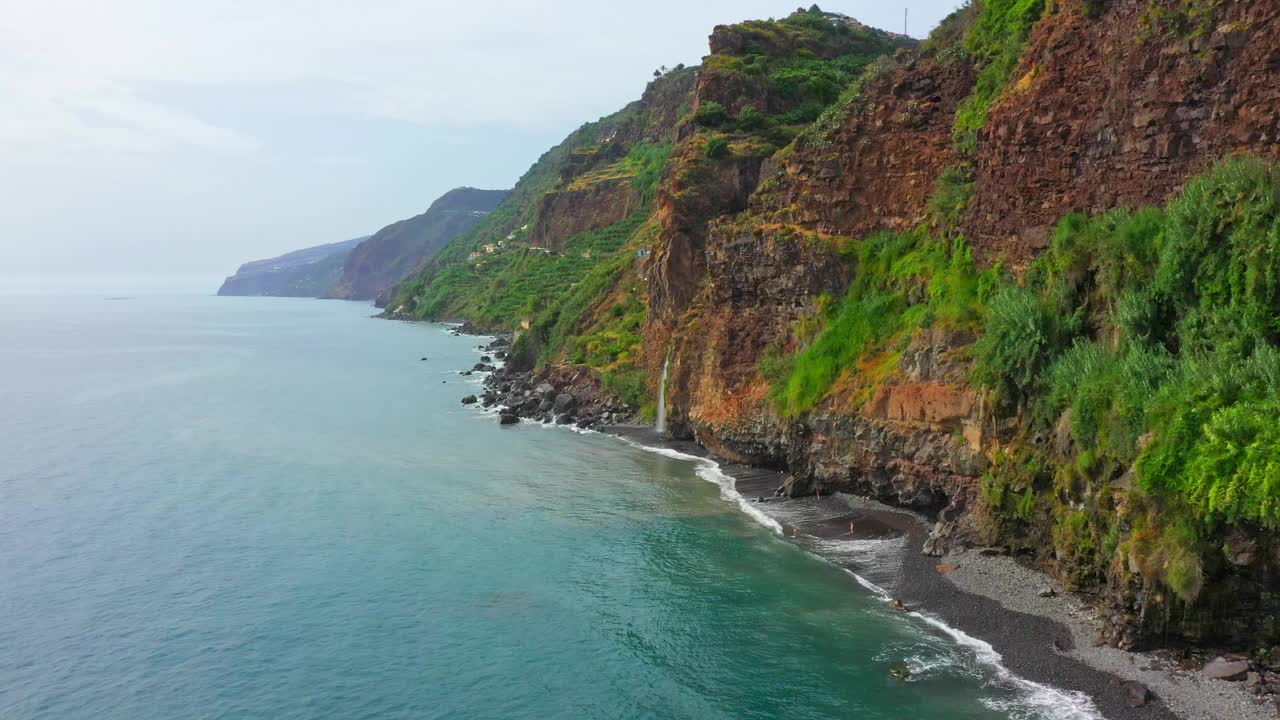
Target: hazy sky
175	139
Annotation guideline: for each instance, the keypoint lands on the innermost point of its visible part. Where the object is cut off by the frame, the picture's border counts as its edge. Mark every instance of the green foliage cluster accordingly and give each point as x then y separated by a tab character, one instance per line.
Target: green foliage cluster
950	200
1164	325
902	282
508	286
1011	486
1094	9
1182	18
851	101
996	41
710	114
801	65
716	148
645	161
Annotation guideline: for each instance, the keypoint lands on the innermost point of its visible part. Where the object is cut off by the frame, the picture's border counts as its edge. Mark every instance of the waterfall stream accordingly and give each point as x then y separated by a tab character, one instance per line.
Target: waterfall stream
662	398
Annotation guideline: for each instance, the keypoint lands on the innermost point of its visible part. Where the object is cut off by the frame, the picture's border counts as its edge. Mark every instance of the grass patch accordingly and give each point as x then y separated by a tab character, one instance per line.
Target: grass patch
902	282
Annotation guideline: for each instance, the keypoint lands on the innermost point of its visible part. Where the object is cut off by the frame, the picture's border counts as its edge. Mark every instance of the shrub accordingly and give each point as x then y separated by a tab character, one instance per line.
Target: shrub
717	147
752	120
1094	9
952	196
1020	338
710	114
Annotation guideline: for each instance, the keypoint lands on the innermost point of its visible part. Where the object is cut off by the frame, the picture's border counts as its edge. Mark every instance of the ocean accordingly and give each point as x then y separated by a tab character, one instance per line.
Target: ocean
274	508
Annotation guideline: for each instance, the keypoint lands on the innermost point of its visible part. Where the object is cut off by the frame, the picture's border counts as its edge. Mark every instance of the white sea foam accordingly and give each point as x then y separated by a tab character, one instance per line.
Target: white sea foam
709	470
1037	701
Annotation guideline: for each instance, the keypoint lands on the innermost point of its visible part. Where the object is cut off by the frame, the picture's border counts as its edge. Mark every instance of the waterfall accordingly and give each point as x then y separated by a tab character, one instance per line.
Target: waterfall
662	398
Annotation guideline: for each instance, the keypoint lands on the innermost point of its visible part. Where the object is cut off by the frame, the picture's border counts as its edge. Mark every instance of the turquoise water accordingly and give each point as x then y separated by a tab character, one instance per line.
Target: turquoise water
269	508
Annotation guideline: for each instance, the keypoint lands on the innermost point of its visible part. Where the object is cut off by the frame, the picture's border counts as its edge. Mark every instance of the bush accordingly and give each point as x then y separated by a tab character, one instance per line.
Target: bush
951	199
716	148
710	114
752	120
1020	338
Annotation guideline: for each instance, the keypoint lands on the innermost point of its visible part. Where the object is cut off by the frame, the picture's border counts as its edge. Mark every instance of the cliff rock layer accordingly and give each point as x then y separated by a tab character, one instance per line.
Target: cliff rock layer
1118	110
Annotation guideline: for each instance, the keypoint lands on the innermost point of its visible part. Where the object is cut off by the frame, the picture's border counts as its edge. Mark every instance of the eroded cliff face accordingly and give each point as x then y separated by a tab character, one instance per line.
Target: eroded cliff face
1112	111
873	168
582	207
876	165
712	324
598	184
1118	111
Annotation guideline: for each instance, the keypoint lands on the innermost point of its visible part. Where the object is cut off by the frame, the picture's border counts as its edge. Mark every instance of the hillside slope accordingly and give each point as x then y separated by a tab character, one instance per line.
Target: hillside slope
311	272
397	249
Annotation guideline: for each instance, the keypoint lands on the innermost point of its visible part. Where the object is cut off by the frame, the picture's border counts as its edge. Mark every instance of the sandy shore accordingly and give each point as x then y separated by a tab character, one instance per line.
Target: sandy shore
1047	640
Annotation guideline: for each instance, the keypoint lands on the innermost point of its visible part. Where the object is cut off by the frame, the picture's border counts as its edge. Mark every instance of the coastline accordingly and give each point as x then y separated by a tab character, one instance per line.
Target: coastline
985	601
989	599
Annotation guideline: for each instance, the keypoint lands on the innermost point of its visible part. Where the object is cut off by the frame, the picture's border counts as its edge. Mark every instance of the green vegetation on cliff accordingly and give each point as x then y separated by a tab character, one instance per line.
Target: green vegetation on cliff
1162	361
1147	340
902	283
996	41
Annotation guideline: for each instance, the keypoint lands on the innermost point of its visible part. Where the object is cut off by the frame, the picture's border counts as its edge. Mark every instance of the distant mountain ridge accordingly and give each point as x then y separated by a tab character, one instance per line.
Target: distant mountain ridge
310	272
364	268
396	250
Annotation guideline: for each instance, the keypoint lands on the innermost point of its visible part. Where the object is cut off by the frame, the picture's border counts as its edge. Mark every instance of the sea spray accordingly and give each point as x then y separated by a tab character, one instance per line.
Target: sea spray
661	426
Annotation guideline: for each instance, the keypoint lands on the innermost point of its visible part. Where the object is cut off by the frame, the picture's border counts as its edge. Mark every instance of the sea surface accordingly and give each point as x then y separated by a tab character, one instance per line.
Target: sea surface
274	508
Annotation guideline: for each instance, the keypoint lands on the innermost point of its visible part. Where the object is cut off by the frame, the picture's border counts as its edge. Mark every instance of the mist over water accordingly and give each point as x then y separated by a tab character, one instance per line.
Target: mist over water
271	508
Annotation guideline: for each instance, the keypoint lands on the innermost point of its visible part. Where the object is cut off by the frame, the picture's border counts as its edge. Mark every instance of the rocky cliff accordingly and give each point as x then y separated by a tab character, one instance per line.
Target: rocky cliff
311	272
1022	278
382	260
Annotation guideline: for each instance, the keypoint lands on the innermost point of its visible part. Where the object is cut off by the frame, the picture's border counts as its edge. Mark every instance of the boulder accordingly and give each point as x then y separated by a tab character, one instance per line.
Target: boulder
486	359
545	406
564	401
470	400
939	541
546	390
478	367
507	418
1229	670
564	418
1137	694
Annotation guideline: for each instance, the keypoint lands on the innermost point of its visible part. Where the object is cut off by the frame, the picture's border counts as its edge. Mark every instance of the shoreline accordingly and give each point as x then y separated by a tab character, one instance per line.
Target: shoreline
987	602
989	599
1022	642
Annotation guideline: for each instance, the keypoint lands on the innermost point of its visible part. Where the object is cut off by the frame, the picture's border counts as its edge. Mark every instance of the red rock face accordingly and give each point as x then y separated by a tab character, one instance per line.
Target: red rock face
879	166
876	170
931	405
1101	117
565	213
